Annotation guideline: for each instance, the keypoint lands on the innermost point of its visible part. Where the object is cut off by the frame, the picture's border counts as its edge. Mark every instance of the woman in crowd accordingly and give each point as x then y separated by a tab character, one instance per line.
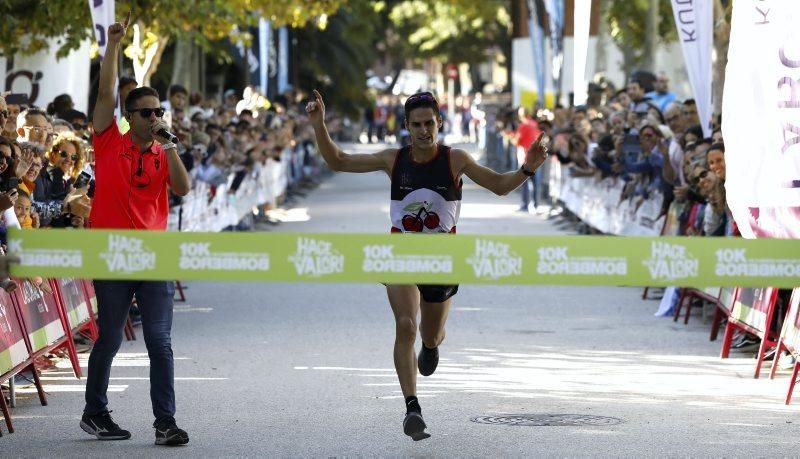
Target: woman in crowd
66	158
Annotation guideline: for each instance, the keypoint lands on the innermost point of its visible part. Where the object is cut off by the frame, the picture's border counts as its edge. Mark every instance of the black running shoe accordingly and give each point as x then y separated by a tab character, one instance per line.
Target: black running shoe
428	360
168	433
414	426
103	427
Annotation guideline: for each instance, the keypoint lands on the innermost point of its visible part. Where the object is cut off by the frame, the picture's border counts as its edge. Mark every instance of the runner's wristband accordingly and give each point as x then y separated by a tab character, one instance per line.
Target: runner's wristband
525	171
168	145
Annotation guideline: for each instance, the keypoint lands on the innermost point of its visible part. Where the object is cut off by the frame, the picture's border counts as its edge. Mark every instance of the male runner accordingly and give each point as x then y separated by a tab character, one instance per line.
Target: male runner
425	177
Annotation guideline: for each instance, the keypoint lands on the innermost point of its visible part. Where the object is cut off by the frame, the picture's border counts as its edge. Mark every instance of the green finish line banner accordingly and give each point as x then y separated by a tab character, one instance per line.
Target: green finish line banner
407	258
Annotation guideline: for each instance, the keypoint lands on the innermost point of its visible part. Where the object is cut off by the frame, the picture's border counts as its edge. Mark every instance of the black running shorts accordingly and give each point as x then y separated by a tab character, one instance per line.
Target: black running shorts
437	293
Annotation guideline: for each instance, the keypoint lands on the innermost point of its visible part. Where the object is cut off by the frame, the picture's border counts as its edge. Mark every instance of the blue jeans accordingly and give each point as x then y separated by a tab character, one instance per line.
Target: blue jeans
154	299
528	191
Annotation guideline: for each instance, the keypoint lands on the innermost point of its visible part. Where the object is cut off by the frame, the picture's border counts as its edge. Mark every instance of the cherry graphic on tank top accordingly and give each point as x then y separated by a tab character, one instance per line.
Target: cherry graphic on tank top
415	222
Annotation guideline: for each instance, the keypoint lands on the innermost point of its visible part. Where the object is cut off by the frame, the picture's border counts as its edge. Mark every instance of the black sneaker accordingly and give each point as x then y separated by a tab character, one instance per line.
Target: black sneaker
414	426
103	427
428	360
167	433
747	342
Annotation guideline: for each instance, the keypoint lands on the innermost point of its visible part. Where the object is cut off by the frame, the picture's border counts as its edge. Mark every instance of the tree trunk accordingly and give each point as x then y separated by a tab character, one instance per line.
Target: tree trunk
159	50
628	62
182	63
651	37
722	37
145	55
602	44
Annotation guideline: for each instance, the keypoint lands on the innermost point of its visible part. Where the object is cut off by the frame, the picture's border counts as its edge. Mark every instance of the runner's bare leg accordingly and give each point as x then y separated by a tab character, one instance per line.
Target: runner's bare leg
405	301
431	326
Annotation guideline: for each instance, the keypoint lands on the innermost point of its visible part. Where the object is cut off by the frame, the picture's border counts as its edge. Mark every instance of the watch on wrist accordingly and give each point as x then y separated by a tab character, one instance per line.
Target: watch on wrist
168	145
525	171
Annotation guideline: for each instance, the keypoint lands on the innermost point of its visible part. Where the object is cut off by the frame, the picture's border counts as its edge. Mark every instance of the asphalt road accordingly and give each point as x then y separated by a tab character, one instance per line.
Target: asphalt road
287	370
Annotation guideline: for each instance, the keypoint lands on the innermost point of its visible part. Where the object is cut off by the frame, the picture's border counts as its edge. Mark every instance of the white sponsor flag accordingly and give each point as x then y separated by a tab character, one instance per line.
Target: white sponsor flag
694	19
583	10
43	76
760	125
102	17
264	40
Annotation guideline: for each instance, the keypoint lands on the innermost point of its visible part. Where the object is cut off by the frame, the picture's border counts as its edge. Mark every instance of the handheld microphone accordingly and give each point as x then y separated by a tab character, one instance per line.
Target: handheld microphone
165	133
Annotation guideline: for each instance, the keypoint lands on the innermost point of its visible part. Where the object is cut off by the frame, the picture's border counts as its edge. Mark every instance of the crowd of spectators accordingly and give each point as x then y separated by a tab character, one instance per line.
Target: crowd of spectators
645	139
44	151
47	159
624	135
384	119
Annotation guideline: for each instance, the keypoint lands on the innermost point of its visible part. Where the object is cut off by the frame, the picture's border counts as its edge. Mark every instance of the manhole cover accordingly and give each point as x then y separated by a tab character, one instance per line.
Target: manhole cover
548	420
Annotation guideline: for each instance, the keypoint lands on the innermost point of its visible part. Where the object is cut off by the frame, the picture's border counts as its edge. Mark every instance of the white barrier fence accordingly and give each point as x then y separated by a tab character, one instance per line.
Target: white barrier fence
202	211
598	203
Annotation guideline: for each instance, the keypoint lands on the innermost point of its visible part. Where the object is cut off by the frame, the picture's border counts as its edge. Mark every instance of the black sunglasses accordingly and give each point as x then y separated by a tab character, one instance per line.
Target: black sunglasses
79	127
64	154
146	112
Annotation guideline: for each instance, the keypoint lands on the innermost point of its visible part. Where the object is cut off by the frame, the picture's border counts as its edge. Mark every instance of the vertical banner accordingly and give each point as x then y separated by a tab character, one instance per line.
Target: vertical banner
694	19
555	11
102	17
537	44
40	315
283	59
790	334
12	342
74	299
42	76
583	10
761	127
264	32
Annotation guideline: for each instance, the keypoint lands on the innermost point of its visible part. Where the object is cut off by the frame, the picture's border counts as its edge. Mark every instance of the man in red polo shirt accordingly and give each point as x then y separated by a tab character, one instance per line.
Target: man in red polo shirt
134	173
527	133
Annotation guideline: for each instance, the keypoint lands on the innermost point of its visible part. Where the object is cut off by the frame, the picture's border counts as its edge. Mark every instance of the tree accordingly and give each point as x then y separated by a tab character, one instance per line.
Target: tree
335	58
722	38
628	21
203	22
454	30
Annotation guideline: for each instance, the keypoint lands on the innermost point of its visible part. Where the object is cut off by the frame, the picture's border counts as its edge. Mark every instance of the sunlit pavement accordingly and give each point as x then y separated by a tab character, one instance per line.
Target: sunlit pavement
287	370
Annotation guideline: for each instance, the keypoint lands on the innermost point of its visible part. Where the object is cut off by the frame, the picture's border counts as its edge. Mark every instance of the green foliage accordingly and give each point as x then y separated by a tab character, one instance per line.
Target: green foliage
43	20
627	20
451	30
27	24
335	59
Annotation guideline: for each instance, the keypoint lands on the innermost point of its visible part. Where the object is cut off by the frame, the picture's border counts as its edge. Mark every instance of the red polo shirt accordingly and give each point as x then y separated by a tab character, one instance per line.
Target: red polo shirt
528	131
131	187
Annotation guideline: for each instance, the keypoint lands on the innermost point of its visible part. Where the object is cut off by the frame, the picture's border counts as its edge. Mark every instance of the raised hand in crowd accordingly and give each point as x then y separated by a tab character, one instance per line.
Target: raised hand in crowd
77	221
663	146
24	162
117	30
8	199
41	284
106	98
80	206
35	222
77	203
681	192
5	264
